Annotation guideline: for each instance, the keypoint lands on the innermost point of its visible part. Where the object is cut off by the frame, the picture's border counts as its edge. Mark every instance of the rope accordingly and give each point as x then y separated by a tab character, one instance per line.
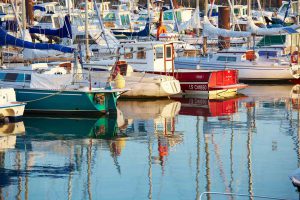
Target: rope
46	97
241	195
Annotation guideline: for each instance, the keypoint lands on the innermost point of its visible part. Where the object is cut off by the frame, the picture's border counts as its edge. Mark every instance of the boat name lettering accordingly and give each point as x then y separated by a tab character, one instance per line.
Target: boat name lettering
197	87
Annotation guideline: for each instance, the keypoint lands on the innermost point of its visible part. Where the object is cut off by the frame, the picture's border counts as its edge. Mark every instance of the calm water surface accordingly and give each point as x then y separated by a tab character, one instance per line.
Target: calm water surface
165	149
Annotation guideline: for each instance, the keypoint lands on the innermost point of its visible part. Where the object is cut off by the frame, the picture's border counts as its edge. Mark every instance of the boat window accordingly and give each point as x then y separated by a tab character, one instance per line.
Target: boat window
142	127
226	59
81	39
159	51
168	16
169	52
46	19
128	53
50	9
294	7
268	53
141	54
269	40
110	17
178	16
56	22
125	19
142	18
11	77
284	8
213	13
237	12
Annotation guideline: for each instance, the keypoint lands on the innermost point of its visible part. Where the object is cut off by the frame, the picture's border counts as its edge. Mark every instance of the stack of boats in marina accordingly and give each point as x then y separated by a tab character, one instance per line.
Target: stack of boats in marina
148	67
55	89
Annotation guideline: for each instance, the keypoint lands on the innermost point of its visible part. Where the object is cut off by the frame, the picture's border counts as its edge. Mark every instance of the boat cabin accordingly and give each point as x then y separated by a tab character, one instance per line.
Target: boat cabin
82	6
148	56
292	10
239	10
49	7
50	21
119	17
103	7
182	15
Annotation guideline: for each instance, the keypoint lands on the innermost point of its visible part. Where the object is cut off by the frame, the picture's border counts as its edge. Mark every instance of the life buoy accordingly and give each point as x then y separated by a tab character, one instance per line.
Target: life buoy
294	57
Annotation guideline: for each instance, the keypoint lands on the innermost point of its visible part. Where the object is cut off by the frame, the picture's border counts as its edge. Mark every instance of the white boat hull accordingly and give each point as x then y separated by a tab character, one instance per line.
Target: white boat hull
247	71
12	110
143	85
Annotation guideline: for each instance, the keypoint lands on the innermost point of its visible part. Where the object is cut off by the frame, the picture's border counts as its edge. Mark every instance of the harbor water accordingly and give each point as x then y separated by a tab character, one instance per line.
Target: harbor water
159	149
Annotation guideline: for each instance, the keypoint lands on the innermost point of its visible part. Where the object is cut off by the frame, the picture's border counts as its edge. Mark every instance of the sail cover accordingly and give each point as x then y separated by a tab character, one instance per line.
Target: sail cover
7	39
142	33
210	30
64	32
251	27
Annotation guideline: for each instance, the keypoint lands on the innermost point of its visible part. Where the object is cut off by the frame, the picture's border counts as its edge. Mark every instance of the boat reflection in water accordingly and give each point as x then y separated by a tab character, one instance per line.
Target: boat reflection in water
256	142
9	133
65	150
194	106
164	149
154	119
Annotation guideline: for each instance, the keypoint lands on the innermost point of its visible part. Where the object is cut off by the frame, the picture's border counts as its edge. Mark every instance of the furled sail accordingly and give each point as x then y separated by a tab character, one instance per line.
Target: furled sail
64	32
210	30
251	27
7	39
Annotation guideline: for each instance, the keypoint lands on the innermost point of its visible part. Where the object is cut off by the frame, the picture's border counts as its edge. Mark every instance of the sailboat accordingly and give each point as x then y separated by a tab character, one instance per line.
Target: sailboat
56	89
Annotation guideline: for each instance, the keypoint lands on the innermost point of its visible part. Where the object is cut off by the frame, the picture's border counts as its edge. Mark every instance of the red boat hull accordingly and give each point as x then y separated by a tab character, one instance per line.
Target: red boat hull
206	81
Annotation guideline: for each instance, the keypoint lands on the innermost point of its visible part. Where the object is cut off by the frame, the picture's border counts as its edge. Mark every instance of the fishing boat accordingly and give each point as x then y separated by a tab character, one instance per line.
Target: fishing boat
158	58
9	108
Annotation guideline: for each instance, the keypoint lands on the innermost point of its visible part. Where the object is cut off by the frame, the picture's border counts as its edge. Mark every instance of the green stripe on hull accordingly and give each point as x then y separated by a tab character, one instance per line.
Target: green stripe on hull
66	101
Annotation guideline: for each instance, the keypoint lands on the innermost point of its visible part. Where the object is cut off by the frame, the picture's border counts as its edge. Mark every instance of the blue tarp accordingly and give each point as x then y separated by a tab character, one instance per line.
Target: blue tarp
41	8
64	32
7	39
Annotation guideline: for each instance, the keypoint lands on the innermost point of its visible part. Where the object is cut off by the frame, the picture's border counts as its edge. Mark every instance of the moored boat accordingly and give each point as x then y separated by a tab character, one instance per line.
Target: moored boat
54	90
158	58
141	85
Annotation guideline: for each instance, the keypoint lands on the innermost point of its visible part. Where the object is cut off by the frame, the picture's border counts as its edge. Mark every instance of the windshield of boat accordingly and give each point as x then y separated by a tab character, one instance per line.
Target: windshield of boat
110	17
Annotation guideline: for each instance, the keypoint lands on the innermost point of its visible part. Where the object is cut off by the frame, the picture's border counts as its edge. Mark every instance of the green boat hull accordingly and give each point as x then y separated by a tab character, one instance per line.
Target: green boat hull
48	101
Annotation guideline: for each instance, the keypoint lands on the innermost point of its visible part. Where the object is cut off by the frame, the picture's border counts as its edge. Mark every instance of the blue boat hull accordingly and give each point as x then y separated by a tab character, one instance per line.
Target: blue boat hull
67	101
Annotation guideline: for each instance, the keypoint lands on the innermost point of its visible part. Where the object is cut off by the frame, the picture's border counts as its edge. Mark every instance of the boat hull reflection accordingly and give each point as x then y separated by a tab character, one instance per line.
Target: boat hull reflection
208	107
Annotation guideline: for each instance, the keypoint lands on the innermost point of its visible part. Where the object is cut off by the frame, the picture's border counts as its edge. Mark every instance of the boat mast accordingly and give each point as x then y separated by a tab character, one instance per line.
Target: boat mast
249	17
148	10
87	53
205	38
24	17
298	12
197	12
